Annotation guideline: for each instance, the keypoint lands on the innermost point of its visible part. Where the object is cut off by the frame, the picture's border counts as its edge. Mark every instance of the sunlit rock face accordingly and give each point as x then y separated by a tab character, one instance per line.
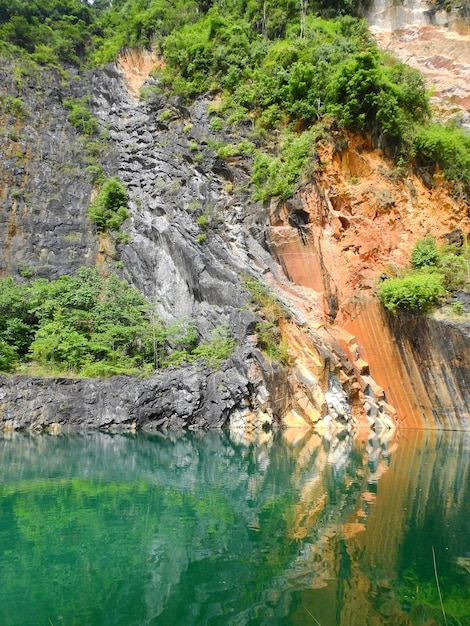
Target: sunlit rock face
391	15
437	43
333	241
160	149
321	252
440	351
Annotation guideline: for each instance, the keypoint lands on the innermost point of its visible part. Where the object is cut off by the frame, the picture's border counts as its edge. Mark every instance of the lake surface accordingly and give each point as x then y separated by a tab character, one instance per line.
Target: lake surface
217	529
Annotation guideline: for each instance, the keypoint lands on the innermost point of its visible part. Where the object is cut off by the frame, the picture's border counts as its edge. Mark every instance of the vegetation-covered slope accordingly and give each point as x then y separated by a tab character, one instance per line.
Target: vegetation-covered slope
280	64
94	327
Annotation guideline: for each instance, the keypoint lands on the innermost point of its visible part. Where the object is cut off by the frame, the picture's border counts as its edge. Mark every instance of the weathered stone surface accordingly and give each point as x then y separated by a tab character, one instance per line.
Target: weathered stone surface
438	352
437	43
328	242
190	396
357	219
160	149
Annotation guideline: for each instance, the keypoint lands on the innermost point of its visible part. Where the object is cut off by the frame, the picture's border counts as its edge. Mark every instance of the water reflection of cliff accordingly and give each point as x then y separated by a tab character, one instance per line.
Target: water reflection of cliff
216	529
421	507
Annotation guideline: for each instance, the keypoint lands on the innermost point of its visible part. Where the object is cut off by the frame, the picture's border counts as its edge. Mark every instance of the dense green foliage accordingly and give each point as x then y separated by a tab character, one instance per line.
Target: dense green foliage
447	146
436	272
424	253
315	69
279	63
385	100
141	23
416	292
50	30
109	210
94	326
333	69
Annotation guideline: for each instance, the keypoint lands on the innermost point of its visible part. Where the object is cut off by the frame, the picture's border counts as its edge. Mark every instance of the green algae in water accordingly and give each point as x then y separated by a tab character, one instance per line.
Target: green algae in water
422	596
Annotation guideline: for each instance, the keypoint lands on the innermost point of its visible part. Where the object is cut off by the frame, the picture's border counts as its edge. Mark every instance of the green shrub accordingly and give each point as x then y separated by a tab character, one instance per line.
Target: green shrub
265	301
446	146
216	123
452	262
425	253
203	222
455	269
14	106
81	118
109	210
8	356
271	310
95	172
26	271
415	292
217	348
245	147
279	176
57	344
387	101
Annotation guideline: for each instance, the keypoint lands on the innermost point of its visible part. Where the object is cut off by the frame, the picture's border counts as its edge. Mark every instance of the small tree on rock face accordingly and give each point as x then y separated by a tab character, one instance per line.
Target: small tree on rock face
58	344
425	253
109	207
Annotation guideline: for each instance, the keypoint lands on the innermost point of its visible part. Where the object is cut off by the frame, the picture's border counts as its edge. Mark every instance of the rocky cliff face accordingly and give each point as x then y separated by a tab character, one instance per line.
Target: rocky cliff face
162	151
43	188
320	253
359	218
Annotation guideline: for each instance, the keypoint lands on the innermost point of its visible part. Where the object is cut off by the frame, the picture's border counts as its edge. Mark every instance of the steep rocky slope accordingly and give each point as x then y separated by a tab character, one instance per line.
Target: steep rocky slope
321	253
160	149
359	219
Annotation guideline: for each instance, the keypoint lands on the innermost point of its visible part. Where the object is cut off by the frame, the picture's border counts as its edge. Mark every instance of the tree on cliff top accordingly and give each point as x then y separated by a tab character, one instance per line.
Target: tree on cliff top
277	61
49	30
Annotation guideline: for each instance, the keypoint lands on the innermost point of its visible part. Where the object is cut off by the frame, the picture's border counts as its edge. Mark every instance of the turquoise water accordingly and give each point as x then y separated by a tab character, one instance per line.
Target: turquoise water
214	528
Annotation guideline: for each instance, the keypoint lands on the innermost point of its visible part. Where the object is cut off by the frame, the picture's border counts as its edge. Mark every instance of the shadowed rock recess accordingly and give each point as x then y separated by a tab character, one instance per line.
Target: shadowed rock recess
163	152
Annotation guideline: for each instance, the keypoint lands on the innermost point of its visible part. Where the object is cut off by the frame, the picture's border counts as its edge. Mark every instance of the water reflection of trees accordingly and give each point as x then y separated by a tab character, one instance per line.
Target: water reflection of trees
217	528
